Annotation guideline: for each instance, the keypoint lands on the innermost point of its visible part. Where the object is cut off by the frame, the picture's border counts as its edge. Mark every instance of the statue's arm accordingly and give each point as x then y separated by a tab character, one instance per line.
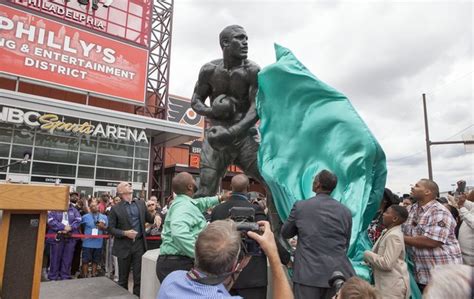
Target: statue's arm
201	91
251	117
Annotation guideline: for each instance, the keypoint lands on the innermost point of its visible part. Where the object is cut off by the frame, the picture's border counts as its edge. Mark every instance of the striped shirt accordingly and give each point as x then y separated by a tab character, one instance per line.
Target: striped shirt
434	221
178	285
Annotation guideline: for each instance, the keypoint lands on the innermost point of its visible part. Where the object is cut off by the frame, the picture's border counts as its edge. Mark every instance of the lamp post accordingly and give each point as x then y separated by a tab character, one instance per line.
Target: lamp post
429	143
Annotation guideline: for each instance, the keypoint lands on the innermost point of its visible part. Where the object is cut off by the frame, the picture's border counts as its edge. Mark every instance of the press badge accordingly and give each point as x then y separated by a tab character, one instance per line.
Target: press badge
95	231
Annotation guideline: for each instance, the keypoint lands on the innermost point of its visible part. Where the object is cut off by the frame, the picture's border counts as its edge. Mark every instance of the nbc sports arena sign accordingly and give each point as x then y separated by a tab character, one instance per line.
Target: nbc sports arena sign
57	51
52	123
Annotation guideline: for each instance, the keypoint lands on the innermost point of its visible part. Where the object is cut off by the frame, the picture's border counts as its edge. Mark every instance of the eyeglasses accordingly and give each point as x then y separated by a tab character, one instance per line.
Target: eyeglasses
150	205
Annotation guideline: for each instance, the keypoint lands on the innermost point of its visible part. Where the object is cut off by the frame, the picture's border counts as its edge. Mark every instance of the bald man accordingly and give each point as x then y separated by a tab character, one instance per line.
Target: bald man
252	282
429	232
127	224
183	223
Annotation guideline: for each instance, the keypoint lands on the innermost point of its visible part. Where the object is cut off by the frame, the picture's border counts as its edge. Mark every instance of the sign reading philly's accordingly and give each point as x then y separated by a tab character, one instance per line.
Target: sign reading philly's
45	50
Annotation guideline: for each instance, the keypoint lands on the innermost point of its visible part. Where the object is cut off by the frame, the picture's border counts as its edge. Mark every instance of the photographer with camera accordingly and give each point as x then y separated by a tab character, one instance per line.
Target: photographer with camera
219	260
252	283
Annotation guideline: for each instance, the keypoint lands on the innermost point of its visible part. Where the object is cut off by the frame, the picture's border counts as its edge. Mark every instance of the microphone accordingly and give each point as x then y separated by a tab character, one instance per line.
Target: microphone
337	280
26	157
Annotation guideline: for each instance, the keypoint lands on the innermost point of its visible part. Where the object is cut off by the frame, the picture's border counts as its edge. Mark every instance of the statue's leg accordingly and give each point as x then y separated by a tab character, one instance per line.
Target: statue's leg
213	166
247	161
209	181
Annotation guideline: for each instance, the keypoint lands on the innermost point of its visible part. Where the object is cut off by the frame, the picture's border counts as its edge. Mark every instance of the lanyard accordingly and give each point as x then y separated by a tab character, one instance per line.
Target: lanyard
95	219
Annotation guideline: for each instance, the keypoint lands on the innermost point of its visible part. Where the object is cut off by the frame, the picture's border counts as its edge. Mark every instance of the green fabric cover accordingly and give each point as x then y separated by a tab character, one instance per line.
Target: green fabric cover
307	126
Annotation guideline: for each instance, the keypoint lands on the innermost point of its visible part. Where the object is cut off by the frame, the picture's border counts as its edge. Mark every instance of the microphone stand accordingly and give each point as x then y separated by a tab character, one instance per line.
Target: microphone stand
14	163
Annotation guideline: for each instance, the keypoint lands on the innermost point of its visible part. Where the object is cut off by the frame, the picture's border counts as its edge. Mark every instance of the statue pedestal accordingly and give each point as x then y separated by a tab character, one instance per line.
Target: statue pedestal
149	282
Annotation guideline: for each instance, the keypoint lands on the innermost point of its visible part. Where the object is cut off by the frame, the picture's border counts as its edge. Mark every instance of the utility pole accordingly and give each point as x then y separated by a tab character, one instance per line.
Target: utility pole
430	143
427	138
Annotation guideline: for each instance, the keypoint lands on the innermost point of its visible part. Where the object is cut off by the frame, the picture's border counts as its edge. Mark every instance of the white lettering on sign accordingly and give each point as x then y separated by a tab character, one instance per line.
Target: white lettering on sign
51	123
52	8
52	52
41	36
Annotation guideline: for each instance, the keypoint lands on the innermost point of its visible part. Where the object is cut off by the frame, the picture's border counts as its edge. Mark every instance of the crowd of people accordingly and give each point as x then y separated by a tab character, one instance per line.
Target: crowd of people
204	254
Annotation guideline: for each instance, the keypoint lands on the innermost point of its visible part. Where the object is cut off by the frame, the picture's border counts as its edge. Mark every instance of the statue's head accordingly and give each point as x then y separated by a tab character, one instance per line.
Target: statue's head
233	40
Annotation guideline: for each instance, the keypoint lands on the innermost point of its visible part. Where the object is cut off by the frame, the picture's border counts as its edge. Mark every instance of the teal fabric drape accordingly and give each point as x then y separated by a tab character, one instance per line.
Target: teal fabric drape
307	126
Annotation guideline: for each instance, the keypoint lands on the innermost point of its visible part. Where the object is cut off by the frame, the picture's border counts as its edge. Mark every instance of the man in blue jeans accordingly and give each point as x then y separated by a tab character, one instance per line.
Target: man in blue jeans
94	224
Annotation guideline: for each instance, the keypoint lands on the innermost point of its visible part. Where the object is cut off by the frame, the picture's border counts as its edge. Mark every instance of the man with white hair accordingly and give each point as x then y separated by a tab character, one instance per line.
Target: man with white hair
127	224
219	262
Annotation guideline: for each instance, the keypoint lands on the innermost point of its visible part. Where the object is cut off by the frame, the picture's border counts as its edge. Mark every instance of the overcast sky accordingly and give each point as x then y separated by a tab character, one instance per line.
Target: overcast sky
381	54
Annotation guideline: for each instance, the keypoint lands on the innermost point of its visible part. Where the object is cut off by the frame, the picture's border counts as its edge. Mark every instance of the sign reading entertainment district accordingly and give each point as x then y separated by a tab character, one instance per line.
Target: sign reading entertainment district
37	48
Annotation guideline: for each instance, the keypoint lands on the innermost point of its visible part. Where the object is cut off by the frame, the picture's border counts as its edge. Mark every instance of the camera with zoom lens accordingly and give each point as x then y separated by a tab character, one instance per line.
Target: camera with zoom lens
244	218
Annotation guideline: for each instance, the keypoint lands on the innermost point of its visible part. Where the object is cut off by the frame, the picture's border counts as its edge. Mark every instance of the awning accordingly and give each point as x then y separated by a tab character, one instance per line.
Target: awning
164	133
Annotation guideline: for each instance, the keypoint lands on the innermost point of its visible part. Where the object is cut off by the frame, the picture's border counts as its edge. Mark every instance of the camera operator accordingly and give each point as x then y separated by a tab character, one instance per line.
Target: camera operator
218	261
252	283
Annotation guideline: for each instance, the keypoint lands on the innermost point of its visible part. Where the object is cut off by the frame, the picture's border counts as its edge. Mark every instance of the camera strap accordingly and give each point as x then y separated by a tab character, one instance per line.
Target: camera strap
200	277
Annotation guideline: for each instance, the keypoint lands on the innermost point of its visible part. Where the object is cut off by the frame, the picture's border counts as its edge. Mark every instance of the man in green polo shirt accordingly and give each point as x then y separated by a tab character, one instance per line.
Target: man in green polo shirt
184	221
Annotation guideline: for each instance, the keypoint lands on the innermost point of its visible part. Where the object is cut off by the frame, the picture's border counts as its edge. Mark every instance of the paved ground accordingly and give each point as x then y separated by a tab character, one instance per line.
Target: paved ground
86	288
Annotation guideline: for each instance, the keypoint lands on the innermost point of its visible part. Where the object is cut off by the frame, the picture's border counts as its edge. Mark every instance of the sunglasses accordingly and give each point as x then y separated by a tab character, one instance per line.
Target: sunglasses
152	204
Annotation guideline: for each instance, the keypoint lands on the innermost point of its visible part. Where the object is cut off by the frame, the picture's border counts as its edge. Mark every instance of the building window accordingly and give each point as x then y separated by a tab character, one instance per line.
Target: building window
87	159
51	169
85	172
113	174
115	162
58	142
50	155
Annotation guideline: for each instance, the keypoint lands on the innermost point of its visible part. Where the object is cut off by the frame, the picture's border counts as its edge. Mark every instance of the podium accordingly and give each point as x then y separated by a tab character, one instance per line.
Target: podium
22	235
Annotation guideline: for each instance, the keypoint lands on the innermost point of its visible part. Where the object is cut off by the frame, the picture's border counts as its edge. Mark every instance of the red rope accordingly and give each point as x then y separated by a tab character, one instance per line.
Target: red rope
82	236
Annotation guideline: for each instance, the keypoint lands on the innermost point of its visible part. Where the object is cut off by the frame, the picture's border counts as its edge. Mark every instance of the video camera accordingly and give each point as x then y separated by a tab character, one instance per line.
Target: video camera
245	221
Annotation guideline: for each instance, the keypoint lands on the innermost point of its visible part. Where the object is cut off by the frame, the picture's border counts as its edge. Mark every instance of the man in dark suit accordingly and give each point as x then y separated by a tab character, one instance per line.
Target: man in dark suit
252	282
323	226
127	224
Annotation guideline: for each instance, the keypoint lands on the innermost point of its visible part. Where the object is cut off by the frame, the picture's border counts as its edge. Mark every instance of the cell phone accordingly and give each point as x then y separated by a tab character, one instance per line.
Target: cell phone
461	186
